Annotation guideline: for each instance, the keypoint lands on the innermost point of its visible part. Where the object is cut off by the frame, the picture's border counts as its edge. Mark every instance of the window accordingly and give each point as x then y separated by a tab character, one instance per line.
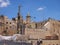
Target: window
6	27
36	25
5	31
10	22
6	22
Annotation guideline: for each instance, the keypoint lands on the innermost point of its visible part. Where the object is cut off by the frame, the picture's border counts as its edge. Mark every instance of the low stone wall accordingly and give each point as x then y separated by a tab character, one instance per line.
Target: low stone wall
50	42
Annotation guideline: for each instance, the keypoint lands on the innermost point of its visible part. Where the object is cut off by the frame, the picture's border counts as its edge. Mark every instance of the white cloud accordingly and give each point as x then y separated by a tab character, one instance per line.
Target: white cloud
41	8
4	3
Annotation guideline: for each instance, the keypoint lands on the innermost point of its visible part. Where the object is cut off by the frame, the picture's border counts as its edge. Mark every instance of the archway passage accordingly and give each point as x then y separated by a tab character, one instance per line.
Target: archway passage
5	33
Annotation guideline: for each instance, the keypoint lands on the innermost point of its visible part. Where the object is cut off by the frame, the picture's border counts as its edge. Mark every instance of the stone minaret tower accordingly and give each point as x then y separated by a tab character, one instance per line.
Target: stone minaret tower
19	22
28	19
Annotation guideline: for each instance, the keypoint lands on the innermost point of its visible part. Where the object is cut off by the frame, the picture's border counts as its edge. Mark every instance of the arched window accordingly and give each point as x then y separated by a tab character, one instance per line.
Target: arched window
6	28
6	22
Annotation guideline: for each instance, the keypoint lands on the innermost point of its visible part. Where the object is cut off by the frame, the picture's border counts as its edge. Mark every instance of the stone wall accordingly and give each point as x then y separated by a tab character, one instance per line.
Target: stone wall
51	42
36	33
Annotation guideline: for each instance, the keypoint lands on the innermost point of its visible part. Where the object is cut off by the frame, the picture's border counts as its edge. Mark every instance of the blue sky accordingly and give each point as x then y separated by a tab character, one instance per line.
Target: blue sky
41	9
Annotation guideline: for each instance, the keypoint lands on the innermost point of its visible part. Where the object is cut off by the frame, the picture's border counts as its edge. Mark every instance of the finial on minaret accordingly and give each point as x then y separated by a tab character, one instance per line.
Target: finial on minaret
19	7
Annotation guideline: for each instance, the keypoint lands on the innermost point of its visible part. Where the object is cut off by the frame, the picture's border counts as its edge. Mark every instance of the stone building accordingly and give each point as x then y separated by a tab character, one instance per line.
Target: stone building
7	26
46	32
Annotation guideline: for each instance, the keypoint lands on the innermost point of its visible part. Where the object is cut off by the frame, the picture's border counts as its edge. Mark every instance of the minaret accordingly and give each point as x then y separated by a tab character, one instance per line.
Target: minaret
19	21
20	25
28	20
19	12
